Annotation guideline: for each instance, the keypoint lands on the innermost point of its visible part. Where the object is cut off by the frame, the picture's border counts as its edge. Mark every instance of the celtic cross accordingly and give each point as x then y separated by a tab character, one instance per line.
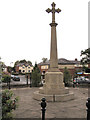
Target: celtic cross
53	10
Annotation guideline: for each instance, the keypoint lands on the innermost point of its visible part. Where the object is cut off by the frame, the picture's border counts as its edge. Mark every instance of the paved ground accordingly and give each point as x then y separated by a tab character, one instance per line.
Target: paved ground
30	108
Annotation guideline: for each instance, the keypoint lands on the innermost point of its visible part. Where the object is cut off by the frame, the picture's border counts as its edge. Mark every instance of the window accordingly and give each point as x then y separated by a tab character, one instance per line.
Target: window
23	71
43	71
19	71
46	67
28	70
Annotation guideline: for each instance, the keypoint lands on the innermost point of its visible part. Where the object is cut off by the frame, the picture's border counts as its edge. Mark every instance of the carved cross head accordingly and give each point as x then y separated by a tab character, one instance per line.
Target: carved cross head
53	10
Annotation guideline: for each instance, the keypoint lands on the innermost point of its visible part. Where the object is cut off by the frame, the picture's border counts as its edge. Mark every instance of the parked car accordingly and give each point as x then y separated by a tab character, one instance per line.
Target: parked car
12	76
85	81
81	80
16	78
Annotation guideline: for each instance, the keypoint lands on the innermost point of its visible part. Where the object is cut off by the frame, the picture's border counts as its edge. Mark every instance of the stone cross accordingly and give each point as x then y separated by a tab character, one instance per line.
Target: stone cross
53	10
53	89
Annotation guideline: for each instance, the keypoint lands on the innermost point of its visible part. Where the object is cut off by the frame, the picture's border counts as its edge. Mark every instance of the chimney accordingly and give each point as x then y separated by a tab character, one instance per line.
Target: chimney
75	59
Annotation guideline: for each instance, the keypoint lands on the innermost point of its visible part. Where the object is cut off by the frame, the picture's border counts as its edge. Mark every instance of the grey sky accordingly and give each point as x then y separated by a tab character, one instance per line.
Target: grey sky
25	32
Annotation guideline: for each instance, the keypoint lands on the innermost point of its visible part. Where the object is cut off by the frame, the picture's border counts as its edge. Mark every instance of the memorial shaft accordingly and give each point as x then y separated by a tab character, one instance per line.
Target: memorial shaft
53	50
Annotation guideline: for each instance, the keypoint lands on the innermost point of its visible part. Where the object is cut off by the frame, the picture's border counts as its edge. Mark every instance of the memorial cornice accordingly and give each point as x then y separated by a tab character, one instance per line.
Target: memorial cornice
53	24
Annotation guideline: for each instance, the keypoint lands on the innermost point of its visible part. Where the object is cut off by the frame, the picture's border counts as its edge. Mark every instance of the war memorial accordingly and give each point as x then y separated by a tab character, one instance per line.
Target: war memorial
53	89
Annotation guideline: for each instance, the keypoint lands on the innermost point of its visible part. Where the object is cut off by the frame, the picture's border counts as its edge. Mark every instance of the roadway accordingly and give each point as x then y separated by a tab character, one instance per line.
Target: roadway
22	81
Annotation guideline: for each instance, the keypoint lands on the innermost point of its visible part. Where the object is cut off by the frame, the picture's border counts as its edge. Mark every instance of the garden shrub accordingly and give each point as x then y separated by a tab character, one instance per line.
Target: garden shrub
6	78
9	103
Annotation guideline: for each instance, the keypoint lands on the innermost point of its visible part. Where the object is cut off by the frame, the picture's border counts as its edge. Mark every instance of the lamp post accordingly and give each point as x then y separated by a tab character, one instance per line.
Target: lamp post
30	79
27	79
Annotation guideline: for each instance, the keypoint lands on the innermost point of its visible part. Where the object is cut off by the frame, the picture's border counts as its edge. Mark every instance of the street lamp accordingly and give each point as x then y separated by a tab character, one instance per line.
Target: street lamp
27	78
30	79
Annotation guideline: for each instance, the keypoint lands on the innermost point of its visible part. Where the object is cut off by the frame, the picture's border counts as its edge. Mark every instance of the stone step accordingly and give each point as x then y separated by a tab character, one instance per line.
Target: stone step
53	98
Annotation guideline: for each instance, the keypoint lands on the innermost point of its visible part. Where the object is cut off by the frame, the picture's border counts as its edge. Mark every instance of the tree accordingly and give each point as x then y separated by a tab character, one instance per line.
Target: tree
86	58
8	104
22	61
36	76
6	78
16	63
44	60
67	76
9	69
29	62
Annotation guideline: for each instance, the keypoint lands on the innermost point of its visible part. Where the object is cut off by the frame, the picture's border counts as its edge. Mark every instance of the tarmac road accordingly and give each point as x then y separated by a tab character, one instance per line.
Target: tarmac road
22	81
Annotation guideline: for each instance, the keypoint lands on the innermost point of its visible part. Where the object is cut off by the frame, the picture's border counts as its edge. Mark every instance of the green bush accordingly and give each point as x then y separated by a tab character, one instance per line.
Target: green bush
8	104
36	79
36	76
67	77
6	78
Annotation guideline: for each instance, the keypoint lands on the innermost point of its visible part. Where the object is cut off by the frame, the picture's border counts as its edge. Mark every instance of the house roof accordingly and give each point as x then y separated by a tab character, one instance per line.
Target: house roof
62	61
25	64
65	61
45	63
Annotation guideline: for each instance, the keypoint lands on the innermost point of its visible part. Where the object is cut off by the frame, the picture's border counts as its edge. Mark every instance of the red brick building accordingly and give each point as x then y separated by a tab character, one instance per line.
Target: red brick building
72	66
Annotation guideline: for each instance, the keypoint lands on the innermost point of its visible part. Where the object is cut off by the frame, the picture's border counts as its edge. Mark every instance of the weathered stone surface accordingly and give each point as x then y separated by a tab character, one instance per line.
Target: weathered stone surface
53	98
53	51
53	89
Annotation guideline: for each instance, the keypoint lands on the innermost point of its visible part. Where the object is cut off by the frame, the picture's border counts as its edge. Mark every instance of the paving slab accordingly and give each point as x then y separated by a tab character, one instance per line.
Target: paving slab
30	108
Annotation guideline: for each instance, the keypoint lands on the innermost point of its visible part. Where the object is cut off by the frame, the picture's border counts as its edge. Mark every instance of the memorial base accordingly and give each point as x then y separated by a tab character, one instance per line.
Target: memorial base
53	89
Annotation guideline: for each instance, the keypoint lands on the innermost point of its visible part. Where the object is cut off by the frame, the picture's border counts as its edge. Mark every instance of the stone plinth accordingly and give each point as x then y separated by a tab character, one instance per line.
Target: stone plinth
53	89
53	98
